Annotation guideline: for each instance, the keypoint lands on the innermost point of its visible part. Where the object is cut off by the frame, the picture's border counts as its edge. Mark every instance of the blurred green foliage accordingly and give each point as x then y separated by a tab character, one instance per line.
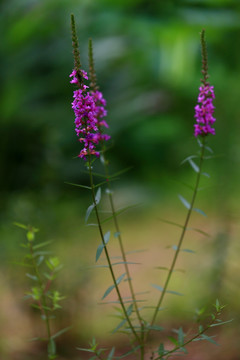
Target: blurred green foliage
147	58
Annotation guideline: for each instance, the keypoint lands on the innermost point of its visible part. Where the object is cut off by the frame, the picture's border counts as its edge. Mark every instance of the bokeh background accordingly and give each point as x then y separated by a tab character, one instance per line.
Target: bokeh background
148	63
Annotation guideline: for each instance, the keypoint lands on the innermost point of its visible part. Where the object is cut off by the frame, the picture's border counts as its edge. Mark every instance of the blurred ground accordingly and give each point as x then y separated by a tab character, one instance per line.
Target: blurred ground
204	276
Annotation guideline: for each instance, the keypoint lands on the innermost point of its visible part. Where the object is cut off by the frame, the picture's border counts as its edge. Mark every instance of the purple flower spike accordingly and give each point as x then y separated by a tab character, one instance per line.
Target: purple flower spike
89	110
204	111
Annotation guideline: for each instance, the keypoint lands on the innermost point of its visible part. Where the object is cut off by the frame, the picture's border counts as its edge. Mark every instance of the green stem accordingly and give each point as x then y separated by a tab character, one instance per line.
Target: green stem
124	254
181	238
107	254
44	302
94	87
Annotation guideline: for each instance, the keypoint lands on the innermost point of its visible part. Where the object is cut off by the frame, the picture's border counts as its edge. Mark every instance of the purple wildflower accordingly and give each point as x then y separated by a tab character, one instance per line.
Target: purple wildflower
89	110
101	112
204	111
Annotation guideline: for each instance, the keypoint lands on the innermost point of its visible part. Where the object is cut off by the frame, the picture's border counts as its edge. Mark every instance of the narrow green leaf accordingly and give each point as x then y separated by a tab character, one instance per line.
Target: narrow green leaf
59	333
101	246
130	309
187	159
110	355
87	350
209	149
99	251
198	339
179	270
20	225
217	305
78	185
180	336
199	142
107	292
128	353
173	340
174	292
200	211
98	196
184	201
36	339
38	253
161	350
156	328
40	260
188	251
33	277
184	350
38	246
88	212
121	172
120	278
158	287
208	338
194	165
107	237
170	222
199	231
51	347
161	268
118	212
221	323
123	322
102	183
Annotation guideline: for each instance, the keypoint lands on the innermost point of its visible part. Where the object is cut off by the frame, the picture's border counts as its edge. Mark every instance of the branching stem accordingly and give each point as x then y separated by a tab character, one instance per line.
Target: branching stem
166	355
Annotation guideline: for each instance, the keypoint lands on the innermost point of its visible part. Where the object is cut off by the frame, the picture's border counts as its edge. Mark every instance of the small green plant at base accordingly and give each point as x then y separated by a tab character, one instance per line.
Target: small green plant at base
42	270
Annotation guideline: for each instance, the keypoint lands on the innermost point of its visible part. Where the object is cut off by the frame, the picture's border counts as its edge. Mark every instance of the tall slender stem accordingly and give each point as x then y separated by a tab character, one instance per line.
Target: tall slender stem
112	205
107	254
181	237
94	87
